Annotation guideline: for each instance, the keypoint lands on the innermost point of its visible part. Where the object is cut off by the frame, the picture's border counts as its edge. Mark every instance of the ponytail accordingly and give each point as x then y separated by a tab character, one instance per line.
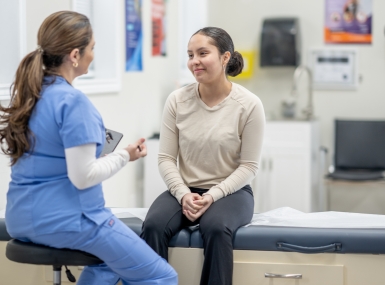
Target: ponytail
58	35
25	92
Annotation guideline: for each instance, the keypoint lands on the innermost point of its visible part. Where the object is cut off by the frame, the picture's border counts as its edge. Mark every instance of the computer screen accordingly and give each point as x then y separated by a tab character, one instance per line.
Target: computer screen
360	144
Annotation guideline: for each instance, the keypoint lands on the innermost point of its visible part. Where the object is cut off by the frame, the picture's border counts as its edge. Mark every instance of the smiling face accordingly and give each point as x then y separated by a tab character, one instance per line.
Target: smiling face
205	62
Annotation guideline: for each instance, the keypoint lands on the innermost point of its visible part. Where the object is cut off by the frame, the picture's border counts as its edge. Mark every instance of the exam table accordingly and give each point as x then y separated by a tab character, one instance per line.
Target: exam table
263	254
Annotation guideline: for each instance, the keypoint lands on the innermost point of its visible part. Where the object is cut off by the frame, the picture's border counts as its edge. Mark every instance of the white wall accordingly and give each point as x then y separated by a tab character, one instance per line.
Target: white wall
136	110
243	20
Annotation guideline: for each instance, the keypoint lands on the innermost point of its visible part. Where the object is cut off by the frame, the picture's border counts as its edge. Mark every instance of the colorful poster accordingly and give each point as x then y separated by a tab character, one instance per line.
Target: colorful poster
158	17
134	35
348	21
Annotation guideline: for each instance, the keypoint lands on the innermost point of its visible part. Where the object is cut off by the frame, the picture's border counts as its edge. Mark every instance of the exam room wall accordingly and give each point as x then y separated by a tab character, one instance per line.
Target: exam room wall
135	110
243	20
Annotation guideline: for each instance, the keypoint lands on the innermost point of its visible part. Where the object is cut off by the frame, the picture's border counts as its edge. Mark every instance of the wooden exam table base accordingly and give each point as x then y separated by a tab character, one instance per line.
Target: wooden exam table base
249	268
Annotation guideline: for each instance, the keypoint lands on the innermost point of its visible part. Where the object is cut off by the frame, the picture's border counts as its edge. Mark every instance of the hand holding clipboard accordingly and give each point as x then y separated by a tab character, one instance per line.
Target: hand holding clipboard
136	150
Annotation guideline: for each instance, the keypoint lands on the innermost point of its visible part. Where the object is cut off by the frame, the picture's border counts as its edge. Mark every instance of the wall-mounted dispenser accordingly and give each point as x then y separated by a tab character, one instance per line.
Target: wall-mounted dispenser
280	42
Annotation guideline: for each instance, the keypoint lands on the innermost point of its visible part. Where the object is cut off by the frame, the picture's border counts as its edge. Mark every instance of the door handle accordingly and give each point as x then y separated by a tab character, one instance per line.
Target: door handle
318	249
286	276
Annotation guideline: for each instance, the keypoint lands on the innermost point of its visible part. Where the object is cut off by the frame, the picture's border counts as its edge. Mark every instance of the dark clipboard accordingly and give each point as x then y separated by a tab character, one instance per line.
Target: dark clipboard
112	140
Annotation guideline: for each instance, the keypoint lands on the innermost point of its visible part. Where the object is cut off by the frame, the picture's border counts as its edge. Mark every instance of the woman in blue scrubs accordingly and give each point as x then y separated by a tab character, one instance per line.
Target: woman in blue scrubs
54	137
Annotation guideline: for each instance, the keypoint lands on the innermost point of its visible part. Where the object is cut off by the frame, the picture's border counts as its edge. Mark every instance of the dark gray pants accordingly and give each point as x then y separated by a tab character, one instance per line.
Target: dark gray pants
217	226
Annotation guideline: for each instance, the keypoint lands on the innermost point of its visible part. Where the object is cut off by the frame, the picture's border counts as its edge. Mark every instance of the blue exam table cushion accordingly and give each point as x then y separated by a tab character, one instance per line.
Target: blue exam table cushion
4	236
305	240
277	238
181	239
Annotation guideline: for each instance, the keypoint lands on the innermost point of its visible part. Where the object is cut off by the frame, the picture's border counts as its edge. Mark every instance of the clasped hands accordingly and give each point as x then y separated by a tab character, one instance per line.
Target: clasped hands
195	205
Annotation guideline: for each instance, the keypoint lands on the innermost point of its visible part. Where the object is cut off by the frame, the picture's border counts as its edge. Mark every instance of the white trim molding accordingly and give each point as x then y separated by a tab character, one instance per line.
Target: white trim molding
106	74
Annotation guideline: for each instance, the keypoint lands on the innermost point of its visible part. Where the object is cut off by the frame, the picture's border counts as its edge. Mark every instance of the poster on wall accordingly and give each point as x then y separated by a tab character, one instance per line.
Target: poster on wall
134	35
348	21
158	17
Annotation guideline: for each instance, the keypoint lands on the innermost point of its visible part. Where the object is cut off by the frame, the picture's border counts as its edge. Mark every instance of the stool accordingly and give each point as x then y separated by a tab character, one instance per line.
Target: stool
31	253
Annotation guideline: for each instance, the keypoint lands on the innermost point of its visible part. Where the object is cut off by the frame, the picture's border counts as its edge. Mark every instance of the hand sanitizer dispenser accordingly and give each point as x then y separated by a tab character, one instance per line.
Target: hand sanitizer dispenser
280	42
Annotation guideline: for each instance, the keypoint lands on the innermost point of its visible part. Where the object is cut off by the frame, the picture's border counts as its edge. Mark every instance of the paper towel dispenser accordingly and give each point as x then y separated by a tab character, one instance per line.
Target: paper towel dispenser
280	42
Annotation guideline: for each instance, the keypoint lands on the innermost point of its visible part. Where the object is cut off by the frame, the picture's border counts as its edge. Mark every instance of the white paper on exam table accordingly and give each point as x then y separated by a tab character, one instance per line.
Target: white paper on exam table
289	217
284	217
130	213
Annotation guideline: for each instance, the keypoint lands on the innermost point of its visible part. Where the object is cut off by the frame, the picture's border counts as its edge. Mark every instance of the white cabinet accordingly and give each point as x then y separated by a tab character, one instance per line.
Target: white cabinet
288	174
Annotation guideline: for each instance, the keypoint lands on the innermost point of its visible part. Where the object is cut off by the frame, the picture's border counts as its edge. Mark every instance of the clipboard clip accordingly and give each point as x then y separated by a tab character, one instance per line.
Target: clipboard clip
109	136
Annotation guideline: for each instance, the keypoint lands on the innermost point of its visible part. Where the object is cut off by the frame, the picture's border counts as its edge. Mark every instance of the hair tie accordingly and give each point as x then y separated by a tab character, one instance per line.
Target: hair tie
39	49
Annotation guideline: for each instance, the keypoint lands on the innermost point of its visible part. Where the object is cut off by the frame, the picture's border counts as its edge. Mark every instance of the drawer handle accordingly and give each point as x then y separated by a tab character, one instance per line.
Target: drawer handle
287	276
326	248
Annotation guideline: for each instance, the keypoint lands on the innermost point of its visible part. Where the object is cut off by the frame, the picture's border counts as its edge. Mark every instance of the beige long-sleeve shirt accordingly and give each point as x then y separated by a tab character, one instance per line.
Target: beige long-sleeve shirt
218	148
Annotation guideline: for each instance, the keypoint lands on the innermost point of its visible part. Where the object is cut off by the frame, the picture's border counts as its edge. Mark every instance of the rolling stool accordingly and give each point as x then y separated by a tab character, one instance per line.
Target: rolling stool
31	253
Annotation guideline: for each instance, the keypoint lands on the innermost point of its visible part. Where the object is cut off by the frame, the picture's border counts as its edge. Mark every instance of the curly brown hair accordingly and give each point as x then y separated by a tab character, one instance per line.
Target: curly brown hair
59	34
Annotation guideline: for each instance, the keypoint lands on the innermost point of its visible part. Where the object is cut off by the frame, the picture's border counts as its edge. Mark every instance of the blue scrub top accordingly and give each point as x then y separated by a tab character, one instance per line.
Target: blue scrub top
41	199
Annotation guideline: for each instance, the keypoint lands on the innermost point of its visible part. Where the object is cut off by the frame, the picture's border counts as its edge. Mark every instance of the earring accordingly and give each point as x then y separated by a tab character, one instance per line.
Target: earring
224	67
75	64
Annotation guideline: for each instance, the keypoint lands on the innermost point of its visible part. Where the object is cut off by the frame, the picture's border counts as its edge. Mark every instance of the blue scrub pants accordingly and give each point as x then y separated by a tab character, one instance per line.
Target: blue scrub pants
126	256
